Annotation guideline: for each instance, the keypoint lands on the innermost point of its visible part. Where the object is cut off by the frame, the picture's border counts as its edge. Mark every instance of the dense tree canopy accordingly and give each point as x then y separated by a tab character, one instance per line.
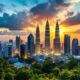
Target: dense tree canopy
48	70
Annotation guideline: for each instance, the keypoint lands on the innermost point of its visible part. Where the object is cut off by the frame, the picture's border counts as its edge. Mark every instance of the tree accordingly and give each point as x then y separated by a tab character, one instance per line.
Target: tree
9	76
9	70
48	65
55	78
37	68
66	75
76	73
2	74
56	71
72	63
23	74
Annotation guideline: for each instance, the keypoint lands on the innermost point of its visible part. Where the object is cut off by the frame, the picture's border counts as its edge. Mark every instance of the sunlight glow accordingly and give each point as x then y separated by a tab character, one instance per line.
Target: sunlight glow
61	31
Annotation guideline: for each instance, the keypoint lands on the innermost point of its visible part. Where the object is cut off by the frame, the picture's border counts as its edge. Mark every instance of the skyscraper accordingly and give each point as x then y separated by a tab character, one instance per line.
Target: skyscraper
67	44
5	49
0	48
10	49
79	49
18	42
26	45
11	42
41	48
31	48
75	50
22	50
47	38
57	39
37	40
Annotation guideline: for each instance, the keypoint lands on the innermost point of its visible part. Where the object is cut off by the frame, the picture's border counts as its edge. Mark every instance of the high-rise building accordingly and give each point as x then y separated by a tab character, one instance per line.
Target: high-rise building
37	40
11	42
41	48
22	50
10	49
47	38
26	45
75	50
18	42
57	39
67	44
79	49
30	43
0	48
5	49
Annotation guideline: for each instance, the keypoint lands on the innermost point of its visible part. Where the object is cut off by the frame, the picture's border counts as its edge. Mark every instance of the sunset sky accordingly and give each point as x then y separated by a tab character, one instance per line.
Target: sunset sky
25	15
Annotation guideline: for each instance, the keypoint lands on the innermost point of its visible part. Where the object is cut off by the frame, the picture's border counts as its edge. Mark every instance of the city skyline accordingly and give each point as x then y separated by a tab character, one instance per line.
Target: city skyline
39	39
34	47
25	15
24	35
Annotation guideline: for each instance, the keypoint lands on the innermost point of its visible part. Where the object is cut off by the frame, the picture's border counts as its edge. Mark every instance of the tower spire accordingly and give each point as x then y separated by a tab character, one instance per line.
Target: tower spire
57	38
37	40
57	22
47	38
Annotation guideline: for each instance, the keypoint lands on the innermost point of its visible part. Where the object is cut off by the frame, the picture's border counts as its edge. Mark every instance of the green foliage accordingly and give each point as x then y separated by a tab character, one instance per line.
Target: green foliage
23	74
36	68
40	71
72	63
66	75
1	73
56	71
9	76
48	65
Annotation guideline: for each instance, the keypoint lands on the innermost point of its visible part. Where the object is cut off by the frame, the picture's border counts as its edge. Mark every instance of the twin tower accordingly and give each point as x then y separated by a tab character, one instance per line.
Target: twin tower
47	39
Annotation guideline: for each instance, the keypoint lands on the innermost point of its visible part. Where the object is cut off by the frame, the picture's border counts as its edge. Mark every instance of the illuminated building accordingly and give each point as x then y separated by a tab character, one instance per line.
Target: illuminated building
41	48
5	49
10	49
13	51
47	38
31	49
37	40
22	50
18	42
0	48
75	48
79	49
67	44
57	39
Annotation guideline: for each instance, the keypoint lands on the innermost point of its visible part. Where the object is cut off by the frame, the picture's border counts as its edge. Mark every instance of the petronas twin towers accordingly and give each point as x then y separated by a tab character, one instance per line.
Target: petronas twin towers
47	39
57	39
37	40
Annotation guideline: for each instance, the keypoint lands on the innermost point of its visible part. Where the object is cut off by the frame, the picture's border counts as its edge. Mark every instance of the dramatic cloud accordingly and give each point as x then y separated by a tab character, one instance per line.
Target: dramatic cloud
37	11
74	20
50	8
14	21
69	14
